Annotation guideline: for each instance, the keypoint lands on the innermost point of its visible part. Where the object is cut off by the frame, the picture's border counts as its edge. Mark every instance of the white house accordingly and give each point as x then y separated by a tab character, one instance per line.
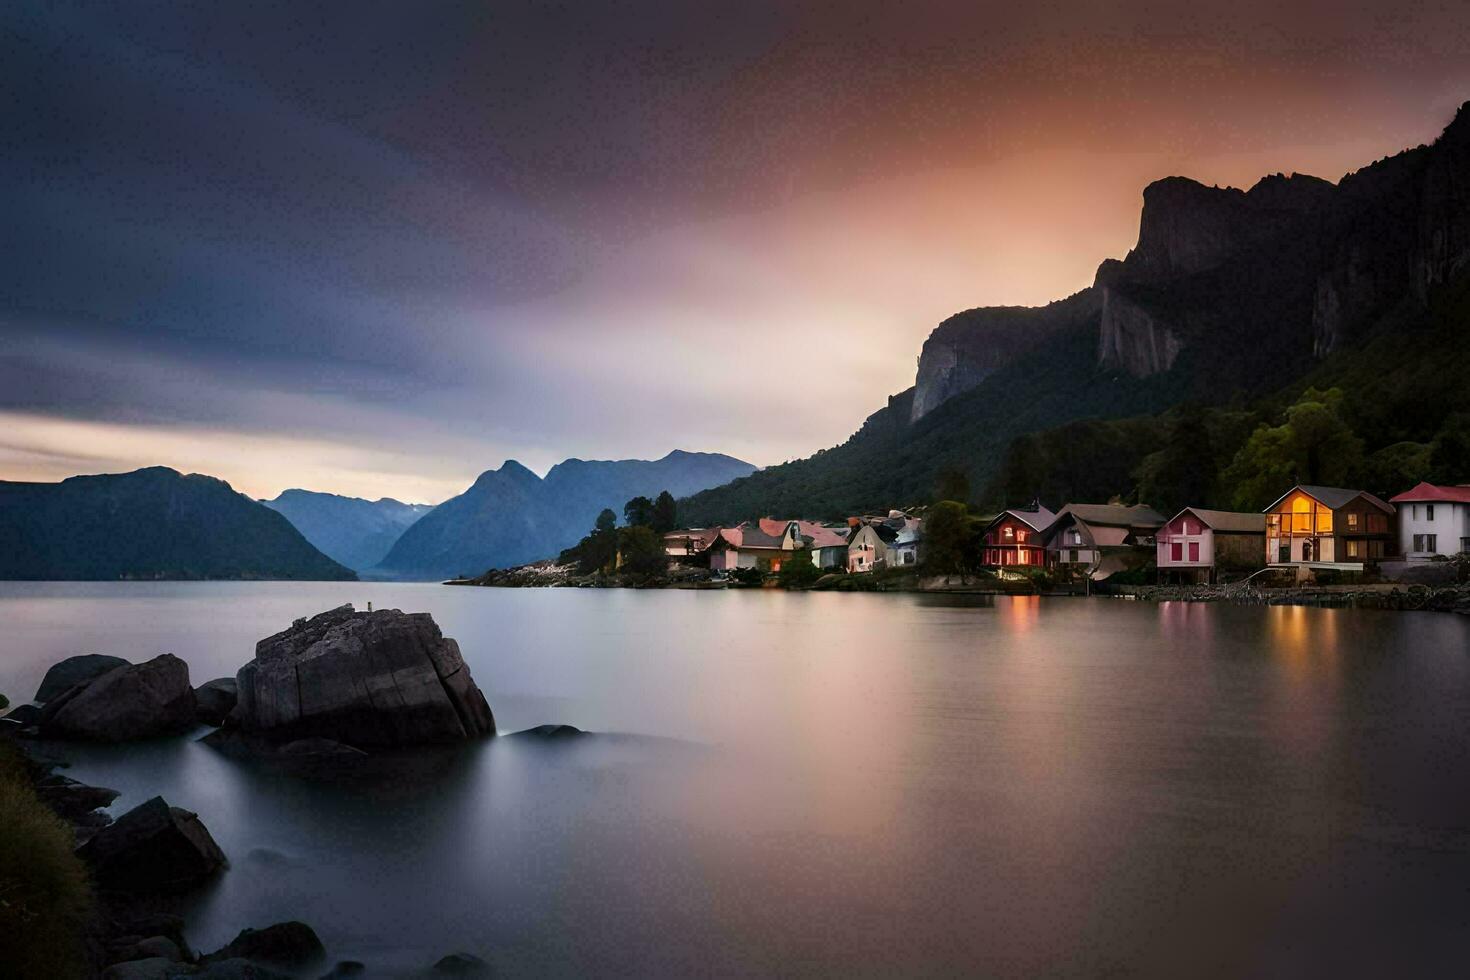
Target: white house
1433	521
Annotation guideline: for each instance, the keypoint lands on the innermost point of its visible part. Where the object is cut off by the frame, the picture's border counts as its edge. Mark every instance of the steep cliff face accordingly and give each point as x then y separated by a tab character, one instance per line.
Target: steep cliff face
971	346
1188	234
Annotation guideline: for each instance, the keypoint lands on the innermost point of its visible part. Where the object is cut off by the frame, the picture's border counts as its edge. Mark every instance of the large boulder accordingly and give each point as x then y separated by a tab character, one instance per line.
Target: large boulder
128	702
366	679
214	700
153	848
290	944
73	671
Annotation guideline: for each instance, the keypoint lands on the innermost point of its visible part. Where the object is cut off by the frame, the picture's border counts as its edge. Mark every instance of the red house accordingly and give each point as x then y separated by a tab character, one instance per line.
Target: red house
1014	537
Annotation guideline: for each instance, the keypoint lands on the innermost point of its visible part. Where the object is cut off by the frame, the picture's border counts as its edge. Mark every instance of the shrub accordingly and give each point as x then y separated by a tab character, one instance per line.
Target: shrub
747	576
4	702
798	572
45	895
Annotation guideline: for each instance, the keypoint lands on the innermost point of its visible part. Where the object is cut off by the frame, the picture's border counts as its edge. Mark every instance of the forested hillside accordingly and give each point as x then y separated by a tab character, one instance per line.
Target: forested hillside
1233	307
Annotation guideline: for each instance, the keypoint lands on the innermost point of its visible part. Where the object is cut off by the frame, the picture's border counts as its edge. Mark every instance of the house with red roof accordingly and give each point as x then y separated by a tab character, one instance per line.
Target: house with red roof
1433	520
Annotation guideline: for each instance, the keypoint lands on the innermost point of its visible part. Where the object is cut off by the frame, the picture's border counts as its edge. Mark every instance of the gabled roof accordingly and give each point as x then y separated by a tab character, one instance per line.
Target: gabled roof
1333	497
1432	493
1114	515
1226	520
1037	520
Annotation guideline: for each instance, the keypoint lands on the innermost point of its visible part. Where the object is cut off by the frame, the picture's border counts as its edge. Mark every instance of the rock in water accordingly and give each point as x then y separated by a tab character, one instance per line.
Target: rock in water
293	944
73	671
214	700
153	847
367	679
128	702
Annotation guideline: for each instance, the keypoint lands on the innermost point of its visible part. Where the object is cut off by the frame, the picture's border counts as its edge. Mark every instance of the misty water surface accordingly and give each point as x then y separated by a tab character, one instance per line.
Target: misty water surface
857	784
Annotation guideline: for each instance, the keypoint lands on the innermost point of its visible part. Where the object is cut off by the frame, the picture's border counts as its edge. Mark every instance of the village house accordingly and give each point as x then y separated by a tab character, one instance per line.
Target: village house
1100	539
1197	543
1433	520
905	548
689	542
1328	527
764	545
828	545
868	546
1014	537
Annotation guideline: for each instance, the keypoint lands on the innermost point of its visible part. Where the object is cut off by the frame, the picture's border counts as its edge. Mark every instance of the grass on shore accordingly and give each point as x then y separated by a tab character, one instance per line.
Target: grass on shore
45	893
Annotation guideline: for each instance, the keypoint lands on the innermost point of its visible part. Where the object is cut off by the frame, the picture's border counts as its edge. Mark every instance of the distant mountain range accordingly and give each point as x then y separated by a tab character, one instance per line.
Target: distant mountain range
1230	299
350	530
511	516
152	523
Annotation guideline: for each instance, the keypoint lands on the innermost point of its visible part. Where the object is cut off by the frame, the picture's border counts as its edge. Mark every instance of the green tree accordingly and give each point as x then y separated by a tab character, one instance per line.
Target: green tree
1312	445
665	513
641	551
1023	471
953	483
797	570
1182	473
1395	468
607	520
947	539
638	512
1449	454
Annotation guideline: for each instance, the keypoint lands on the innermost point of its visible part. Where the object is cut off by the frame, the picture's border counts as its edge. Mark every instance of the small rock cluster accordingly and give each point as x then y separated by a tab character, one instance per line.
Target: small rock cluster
316	691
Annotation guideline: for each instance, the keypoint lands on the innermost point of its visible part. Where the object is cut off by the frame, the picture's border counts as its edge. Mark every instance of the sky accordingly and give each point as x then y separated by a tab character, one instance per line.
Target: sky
378	248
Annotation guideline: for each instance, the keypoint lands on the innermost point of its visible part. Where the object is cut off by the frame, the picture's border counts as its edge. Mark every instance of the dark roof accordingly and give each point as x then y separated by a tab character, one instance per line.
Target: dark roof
1229	520
1333	497
1037	520
1114	515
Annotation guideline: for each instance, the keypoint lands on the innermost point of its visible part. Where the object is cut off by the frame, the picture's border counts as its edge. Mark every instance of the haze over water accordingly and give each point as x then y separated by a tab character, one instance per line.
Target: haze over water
857	784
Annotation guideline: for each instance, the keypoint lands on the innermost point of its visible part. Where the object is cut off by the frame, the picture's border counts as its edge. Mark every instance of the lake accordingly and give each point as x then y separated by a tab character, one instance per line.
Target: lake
860	784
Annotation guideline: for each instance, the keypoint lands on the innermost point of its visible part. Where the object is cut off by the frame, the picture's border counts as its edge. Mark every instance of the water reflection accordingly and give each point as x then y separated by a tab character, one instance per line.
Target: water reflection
864	784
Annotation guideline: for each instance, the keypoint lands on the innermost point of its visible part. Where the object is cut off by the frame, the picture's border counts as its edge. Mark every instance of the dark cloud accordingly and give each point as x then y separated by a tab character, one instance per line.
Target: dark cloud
539	229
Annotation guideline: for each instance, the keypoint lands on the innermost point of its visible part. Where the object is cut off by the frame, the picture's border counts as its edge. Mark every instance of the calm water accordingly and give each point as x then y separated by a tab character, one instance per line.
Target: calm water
856	784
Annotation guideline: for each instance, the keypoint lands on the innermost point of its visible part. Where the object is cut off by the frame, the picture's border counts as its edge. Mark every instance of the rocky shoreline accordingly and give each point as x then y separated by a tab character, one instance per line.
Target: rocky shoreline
328	692
1413	598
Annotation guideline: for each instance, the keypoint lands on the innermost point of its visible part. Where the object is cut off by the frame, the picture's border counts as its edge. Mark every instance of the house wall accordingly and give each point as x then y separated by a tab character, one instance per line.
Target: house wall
1240	548
865	551
1450	527
1196	544
1013	542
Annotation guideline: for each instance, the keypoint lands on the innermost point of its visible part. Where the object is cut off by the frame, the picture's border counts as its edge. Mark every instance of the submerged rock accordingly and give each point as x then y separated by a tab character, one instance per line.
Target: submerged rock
153	847
289	944
72	671
551	732
128	702
462	965
366	679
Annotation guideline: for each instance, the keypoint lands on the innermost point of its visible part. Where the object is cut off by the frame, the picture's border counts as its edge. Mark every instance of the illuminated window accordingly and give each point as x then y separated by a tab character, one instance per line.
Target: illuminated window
1010	533
1354	549
1352	522
1324	521
1301	516
1020	535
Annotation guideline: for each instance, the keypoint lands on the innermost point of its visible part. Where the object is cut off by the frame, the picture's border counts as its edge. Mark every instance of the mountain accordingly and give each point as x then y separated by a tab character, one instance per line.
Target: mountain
1229	297
152	523
350	530
511	516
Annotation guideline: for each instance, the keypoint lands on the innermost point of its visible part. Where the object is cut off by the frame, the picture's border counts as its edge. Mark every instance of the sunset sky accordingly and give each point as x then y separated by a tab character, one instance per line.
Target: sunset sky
378	248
